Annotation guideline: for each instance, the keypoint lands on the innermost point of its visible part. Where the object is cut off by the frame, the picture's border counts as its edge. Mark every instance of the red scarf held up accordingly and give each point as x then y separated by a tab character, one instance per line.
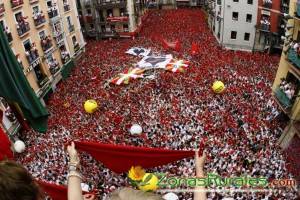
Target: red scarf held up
119	158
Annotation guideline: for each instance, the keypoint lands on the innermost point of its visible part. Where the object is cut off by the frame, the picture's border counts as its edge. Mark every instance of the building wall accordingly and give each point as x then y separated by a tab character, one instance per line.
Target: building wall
286	68
33	35
240	26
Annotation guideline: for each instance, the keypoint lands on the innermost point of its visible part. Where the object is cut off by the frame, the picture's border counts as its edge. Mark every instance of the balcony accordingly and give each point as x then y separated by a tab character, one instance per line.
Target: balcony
111	4
32	56
33	1
65	57
53	66
16	3
117	19
282	100
294	61
39	20
52	12
46	44
2	9
23	28
9	36
71	28
59	37
67	7
264	27
267	4
76	47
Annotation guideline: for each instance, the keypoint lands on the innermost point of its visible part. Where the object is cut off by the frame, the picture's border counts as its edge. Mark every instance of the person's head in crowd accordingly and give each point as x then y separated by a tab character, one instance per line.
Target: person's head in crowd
16	183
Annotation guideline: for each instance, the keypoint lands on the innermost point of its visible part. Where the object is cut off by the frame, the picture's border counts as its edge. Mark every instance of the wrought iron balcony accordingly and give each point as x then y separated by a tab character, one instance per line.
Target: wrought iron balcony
16	3
39	20
67	7
23	28
9	36
46	44
32	56
282	100
267	4
53	12
102	4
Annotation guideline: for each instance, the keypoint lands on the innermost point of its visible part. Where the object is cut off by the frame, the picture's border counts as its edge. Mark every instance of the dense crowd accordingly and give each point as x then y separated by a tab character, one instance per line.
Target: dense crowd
238	128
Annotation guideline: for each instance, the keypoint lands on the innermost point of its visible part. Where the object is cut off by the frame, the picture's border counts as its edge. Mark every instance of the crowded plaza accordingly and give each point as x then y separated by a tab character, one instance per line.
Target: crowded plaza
177	109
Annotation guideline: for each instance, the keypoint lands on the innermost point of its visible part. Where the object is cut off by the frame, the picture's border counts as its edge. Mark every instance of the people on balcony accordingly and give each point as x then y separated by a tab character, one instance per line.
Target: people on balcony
38	17
16	2
46	43
53	66
8	34
287	88
265	23
32	53
65	56
52	11
22	25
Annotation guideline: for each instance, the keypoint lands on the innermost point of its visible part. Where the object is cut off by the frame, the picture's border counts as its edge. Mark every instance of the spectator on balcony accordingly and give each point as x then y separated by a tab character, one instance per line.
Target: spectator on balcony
53	66
46	43
65	56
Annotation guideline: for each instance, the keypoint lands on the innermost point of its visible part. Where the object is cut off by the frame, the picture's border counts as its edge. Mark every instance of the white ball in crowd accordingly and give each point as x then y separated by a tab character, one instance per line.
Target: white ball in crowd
19	146
136	129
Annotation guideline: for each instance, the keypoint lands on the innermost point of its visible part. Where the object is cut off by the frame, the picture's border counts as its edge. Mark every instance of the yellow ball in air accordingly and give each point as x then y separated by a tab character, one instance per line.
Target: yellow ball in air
218	87
149	184
90	106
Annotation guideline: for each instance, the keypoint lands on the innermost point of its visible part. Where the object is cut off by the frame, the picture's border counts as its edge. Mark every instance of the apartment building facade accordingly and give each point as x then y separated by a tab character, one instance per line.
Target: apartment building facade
45	36
271	25
110	18
286	87
233	22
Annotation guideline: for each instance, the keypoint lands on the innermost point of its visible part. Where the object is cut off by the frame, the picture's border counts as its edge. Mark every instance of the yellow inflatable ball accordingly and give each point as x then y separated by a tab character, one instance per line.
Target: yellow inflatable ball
149	182
90	106
218	87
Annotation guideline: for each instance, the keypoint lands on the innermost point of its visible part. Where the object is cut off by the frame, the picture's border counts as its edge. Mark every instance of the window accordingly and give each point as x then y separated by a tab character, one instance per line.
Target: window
35	9
235	0
74	40
247	36
42	35
249	18
219	2
233	34
89	11
69	21
250	2
235	16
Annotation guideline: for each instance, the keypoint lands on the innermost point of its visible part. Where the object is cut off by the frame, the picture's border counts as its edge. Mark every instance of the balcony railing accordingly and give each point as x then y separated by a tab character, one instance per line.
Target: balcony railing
2	9
33	1
23	28
39	20
264	27
53	67
9	36
53	12
32	56
282	99
16	3
294	58
111	4
76	47
71	28
267	4
46	44
67	7
65	57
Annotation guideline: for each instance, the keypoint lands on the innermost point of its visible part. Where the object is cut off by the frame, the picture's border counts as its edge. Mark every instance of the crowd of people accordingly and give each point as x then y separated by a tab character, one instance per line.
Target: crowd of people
238	129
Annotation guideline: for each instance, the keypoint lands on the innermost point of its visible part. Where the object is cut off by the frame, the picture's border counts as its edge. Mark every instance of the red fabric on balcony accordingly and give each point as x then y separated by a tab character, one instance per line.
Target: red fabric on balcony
120	158
5	144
